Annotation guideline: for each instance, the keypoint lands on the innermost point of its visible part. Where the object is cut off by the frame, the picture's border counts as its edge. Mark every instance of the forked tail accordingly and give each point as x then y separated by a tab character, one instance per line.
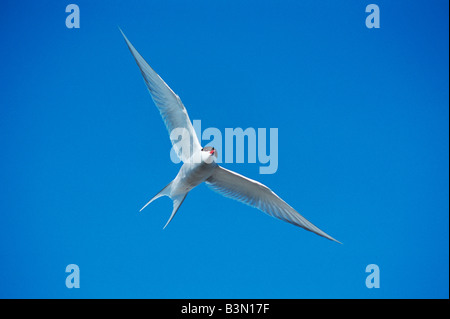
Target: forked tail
176	199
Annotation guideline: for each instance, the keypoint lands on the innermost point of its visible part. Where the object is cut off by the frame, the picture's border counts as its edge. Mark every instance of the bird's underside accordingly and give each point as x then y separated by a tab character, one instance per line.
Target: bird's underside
199	163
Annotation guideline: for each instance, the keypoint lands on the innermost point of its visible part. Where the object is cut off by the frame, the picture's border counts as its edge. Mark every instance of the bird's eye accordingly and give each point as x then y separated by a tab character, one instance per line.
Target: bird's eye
202	149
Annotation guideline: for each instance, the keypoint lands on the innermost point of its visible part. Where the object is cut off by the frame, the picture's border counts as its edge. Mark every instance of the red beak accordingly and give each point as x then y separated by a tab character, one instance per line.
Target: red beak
212	152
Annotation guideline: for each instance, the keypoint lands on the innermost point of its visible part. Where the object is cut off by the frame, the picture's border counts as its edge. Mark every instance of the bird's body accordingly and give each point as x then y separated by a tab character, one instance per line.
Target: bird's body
193	174
199	163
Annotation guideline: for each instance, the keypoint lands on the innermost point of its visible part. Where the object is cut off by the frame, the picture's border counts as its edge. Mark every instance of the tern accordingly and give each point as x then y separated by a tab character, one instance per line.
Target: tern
199	162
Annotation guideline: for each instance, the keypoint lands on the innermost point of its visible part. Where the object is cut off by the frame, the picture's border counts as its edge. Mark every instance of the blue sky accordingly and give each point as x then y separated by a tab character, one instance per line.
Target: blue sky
362	118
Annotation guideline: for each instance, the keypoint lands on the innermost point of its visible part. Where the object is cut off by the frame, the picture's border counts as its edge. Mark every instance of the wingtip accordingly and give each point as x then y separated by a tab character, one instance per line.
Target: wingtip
335	240
325	235
124	36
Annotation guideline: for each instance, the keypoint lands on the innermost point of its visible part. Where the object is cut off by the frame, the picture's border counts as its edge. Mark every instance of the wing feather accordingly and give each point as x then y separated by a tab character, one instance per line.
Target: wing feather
170	107
255	194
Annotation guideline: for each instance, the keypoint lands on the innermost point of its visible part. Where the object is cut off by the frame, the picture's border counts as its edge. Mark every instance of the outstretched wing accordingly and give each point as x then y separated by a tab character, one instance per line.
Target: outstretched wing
172	110
255	194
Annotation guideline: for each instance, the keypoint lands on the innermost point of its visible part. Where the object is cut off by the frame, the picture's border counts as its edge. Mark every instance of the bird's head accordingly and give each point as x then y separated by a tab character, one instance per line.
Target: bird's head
209	154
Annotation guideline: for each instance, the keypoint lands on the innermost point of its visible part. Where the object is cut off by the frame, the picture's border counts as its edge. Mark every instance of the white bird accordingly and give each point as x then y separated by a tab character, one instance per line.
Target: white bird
199	162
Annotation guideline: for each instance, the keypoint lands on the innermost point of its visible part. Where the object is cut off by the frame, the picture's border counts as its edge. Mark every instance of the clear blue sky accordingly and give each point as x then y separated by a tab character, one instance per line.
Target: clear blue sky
363	125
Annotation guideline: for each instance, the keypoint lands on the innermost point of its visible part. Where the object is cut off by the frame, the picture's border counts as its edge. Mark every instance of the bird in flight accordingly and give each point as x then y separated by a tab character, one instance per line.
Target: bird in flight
199	162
